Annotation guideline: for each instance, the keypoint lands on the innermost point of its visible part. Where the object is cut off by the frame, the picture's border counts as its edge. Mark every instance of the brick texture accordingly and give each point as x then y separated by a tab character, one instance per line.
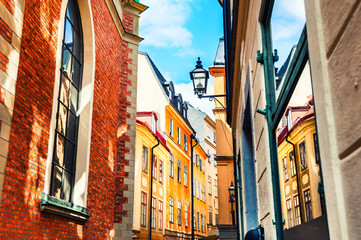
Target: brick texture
4	61
5	31
9	4
24	181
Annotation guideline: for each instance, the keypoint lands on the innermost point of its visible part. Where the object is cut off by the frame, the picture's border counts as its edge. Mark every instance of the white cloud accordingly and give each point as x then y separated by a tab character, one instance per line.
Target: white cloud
163	24
186	89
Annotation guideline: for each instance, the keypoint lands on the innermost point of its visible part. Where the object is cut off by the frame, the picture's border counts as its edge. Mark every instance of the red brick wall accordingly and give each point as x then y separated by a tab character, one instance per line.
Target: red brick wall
20	216
9	4
5	31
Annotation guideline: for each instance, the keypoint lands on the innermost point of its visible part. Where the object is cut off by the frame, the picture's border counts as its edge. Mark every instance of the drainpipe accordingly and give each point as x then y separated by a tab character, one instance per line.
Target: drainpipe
193	137
237	180
151	189
227	36
298	176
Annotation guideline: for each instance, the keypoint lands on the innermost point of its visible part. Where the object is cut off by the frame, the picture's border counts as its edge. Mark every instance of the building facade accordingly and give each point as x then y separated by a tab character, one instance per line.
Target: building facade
328	43
224	149
151	156
66	147
206	135
174	126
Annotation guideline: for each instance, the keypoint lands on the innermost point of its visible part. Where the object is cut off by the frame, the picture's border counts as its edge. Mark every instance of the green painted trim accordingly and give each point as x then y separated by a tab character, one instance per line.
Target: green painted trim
52	201
294	72
270	100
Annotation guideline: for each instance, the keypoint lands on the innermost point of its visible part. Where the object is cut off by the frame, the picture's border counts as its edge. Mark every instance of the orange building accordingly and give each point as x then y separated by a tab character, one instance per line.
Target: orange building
199	194
149	192
178	197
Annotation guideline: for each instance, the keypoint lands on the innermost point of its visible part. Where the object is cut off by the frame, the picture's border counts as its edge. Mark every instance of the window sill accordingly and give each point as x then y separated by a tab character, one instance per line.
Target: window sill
59	207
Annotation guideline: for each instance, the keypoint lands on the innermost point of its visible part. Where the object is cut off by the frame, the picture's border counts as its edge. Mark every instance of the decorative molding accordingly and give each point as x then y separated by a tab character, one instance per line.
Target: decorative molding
116	10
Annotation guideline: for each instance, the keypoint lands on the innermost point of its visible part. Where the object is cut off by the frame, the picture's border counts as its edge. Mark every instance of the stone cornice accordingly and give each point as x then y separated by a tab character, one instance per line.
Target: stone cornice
115	9
133	7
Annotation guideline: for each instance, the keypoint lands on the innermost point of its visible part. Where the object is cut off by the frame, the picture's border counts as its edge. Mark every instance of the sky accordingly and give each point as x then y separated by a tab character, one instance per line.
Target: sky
177	32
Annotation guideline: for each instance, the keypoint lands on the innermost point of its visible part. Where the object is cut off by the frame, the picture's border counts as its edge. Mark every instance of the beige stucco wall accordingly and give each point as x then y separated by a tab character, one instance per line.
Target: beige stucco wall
334	42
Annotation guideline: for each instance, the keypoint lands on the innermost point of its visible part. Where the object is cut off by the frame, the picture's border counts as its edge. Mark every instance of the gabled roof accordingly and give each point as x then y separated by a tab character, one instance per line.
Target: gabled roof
219	59
159	75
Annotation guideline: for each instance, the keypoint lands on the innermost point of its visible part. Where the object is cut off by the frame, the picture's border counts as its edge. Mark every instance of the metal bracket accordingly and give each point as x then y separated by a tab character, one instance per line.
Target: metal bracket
275	56
263	112
260	58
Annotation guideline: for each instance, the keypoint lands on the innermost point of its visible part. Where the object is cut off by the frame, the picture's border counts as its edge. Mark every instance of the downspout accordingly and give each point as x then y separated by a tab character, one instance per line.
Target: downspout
238	181
193	137
297	176
227	36
151	189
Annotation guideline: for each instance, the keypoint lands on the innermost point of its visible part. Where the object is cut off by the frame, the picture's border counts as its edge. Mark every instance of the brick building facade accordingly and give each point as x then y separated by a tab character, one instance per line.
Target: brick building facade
97	203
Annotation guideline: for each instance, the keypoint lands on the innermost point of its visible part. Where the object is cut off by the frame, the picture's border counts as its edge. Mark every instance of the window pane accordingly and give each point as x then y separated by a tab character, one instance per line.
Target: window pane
67	183
77	47
73	99
56	181
66	64
60	144
64	90
68	35
75	73
72	127
62	114
69	156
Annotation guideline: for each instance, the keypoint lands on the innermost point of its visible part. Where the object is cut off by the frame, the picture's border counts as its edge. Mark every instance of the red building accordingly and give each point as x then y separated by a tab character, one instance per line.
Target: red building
67	114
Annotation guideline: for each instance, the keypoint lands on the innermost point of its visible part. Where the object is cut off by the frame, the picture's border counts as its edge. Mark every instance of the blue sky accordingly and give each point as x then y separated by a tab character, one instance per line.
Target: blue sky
177	32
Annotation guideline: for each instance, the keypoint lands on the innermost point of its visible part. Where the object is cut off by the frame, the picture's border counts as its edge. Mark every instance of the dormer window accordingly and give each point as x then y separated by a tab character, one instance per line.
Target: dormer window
180	103
154	124
289	120
171	91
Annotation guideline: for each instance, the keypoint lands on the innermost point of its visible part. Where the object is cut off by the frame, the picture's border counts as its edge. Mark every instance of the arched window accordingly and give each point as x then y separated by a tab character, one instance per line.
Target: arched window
67	117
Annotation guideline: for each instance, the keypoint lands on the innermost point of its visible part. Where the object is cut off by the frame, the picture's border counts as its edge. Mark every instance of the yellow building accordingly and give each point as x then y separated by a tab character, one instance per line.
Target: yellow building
149	192
199	194
299	167
177	134
224	149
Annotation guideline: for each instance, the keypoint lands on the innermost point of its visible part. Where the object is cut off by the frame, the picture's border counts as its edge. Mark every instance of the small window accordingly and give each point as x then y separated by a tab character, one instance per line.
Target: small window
154	212
303	156
154	126
194	187
155	167
289	213
296	203
179	213
210	212
194	220
285	169
208	132
202	222
145	159
197	160
160	215
214	137
143	210
292	164
179	137
186	215
209	185
315	144
185	142
199	222
197	185
209	155
215	188
179	171
171	127
171	210
200	164
185	175
308	207
160	171
171	165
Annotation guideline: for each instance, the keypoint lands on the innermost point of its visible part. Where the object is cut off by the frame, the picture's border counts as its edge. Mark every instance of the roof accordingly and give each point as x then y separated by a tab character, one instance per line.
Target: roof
157	135
219	59
159	75
283	70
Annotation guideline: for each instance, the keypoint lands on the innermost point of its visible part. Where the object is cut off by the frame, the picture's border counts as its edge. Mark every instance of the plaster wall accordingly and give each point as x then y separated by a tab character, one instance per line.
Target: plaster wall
333	36
148	86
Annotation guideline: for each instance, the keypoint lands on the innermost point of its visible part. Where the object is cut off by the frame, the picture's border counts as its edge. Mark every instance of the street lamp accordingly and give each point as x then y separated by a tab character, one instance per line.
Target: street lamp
232	197
199	77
